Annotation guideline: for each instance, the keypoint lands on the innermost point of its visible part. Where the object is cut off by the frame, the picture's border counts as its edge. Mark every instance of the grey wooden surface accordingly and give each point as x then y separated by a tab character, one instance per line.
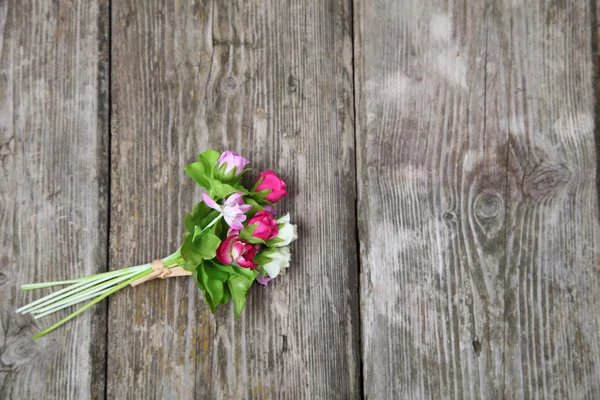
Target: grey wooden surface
53	189
464	197
477	209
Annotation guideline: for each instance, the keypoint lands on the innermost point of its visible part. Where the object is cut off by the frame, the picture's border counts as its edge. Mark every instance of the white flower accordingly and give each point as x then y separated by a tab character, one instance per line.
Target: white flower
287	232
280	261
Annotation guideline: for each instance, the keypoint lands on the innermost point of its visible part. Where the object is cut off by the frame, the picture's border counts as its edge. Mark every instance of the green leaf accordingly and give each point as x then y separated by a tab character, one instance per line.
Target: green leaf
189	267
238	286
208	218
274	241
222	190
214	287
188	251
199	246
197	172
226	295
207	298
247	272
206	244
209	159
216	271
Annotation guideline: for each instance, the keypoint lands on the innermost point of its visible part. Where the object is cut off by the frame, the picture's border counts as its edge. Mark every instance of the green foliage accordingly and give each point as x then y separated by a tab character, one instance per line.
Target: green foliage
204	172
219	283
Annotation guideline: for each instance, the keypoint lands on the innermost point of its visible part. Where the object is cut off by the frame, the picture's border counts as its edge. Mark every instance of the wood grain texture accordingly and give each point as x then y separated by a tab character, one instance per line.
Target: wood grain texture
53	190
280	92
274	82
552	340
160	62
477	206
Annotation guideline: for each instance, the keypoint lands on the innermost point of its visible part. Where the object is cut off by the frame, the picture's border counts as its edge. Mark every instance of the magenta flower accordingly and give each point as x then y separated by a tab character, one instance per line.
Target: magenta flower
230	165
233	209
266	226
236	251
267	180
264	281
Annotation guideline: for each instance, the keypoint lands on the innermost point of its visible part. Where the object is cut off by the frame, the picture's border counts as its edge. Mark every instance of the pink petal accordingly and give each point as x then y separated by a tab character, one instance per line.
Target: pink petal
264	281
234	198
245	208
210	202
235	223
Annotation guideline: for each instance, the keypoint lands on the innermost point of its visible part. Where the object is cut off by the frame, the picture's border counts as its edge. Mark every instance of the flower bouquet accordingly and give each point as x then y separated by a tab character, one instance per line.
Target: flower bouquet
233	239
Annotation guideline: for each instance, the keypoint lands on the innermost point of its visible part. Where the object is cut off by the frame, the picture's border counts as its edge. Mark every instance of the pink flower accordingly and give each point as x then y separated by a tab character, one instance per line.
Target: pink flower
267	226
268	180
233	209
264	281
234	250
231	160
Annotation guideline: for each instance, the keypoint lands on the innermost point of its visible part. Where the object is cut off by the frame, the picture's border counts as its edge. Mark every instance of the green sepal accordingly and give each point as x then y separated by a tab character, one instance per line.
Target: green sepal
260	197
246	235
262	258
232	177
274	241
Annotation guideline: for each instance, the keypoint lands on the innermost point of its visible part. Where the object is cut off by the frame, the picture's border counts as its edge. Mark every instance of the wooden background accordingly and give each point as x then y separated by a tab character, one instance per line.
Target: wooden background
442	161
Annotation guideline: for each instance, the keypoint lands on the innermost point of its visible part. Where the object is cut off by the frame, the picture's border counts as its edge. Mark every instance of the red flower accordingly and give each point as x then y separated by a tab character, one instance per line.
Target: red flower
268	180
267	226
236	251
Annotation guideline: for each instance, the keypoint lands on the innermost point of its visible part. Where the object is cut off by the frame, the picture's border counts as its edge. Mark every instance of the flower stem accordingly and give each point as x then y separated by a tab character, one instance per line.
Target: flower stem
91	303
98	287
214	221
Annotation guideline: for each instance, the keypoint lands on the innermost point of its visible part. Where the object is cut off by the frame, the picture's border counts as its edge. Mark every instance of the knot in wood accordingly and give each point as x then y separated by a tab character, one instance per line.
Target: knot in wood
229	85
488	205
545	180
488	212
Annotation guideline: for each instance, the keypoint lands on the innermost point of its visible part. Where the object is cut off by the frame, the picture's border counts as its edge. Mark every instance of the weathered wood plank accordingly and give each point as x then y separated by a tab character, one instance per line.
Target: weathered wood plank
53	189
431	193
160	63
466	272
280	91
552	286
274	82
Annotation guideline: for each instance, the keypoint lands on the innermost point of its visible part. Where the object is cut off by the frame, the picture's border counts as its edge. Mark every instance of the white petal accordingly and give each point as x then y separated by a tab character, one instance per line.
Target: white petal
287	233
272	269
280	260
285	219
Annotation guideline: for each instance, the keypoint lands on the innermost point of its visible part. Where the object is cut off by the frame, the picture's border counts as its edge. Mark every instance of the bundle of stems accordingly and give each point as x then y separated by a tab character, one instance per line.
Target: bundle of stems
96	287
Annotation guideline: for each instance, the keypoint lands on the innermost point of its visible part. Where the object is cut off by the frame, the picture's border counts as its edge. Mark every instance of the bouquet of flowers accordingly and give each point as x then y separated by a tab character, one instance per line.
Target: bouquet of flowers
233	239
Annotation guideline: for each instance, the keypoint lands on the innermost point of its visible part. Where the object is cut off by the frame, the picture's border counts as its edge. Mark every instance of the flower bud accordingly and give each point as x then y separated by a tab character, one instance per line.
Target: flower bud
229	166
